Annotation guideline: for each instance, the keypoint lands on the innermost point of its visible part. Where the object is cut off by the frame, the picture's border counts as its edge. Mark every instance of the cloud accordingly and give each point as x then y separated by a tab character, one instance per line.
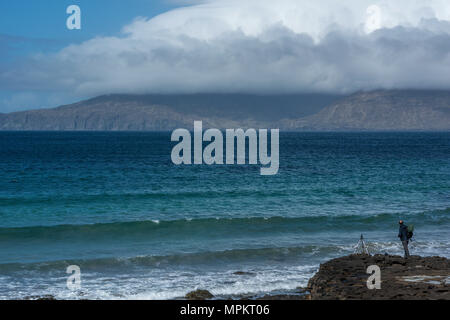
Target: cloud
257	46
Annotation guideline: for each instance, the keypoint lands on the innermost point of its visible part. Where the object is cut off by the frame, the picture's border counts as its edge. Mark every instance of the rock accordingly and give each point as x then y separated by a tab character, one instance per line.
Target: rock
243	273
199	295
413	278
44	297
284	297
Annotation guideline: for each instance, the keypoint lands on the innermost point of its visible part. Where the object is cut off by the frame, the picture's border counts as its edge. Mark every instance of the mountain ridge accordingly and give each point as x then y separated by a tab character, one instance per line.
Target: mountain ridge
395	110
392	110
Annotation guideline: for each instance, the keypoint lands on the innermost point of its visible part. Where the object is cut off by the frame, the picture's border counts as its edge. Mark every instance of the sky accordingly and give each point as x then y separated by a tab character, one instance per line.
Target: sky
188	46
29	27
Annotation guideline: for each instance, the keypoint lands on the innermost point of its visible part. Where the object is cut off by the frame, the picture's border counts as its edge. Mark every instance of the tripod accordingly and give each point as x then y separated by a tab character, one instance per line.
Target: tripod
361	247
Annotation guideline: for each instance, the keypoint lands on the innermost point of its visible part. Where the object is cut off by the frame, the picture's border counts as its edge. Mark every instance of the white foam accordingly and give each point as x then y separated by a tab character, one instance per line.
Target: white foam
169	283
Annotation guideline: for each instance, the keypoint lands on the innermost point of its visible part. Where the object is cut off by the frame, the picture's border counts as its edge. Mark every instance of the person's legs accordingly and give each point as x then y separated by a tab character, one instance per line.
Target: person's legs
405	247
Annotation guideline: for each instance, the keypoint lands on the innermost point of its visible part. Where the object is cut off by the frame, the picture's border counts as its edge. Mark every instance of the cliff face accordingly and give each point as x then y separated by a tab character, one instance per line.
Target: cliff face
382	110
377	110
167	112
413	278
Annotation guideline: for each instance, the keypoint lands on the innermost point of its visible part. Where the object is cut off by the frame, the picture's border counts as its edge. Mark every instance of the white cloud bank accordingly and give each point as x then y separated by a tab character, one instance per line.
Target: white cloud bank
257	46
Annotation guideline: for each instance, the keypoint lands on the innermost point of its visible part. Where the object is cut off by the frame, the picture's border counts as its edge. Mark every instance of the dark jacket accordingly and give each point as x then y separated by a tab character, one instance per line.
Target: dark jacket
403	232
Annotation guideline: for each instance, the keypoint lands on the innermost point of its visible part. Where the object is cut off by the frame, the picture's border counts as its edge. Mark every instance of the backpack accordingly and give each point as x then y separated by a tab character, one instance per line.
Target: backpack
410	231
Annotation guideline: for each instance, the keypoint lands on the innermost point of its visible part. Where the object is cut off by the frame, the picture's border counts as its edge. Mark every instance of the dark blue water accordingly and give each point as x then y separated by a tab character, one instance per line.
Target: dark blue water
140	227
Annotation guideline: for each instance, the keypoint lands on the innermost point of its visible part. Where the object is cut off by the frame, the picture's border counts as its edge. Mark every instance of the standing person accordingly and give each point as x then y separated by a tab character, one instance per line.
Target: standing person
403	235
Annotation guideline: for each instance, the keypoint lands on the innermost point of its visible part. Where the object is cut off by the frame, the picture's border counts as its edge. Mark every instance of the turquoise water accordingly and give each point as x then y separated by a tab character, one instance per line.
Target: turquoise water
140	227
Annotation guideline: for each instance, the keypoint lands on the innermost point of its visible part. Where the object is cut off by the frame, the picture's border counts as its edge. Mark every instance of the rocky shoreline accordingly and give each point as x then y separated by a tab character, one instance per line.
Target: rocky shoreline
413	278
346	278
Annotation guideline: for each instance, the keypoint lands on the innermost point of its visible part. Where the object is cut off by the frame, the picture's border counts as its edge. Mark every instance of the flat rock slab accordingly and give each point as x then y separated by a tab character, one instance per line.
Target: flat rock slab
413	278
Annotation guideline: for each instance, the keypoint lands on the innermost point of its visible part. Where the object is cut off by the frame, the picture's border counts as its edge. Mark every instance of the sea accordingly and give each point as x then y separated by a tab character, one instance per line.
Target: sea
140	227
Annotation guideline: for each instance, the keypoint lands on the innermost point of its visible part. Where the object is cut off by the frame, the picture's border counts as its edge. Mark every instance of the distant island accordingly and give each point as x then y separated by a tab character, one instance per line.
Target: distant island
381	110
